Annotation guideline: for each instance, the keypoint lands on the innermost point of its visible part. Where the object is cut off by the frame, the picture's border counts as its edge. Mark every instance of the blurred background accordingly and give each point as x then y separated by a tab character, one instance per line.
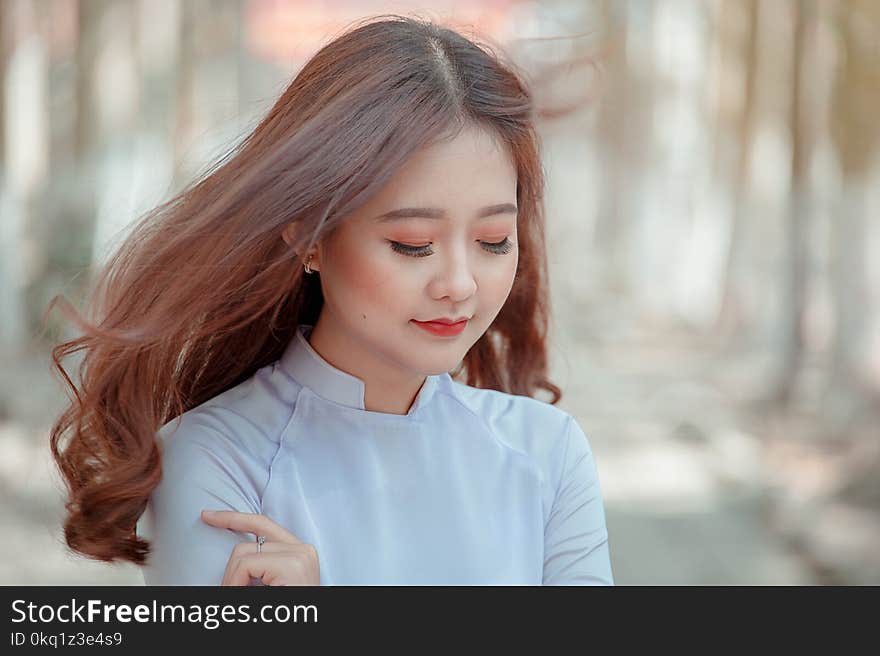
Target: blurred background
712	172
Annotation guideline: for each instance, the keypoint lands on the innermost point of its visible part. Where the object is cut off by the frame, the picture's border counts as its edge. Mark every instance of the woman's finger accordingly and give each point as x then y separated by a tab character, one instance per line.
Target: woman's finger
296	566
249	523
249	548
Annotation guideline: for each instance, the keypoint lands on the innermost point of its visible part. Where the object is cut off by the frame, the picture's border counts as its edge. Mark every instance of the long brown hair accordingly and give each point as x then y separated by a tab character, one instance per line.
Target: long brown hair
204	291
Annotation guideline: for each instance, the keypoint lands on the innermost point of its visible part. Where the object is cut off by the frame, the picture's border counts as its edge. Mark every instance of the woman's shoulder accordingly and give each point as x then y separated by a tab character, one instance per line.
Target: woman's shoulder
494	404
524	423
243	422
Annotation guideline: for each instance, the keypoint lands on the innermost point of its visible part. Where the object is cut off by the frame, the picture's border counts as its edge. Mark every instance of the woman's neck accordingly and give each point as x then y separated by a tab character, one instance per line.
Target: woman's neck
386	388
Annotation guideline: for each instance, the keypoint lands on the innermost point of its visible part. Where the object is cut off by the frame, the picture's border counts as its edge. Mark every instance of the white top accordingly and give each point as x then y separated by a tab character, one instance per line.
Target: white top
471	487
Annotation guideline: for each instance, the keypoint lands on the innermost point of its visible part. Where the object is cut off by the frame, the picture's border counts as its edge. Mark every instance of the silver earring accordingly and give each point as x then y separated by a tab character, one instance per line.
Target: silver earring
306	266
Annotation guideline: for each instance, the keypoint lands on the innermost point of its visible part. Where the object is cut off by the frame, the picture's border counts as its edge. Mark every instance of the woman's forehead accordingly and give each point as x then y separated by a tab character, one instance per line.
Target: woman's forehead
470	169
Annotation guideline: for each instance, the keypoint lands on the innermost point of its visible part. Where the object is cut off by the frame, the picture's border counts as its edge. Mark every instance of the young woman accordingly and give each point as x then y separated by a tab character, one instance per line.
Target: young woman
289	323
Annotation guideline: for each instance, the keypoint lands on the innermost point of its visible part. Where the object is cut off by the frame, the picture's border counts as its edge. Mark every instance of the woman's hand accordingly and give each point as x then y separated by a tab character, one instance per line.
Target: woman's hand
284	558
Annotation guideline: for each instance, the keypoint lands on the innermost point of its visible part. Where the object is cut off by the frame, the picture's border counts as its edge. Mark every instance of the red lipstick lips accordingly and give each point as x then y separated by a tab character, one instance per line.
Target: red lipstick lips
443	327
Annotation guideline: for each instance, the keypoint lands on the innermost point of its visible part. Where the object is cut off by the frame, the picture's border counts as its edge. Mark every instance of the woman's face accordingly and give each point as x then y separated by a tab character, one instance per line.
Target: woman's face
390	265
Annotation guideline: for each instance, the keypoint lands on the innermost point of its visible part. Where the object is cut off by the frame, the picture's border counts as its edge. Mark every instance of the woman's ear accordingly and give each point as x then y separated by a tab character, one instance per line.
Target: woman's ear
287	234
315	262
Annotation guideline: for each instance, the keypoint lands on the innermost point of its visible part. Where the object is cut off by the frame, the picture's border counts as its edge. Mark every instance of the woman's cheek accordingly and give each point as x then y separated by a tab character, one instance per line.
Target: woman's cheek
351	268
380	272
500	279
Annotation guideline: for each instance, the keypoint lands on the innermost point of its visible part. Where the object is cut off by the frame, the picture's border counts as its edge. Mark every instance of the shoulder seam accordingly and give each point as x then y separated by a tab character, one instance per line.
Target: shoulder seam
281	436
487	427
567	439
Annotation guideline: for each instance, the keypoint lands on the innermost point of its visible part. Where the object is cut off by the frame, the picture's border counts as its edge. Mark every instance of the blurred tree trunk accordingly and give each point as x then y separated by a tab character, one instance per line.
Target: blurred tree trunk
87	51
87	131
7	330
730	319
160	65
209	82
625	125
612	131
855	131
5	47
117	93
25	162
799	213
183	110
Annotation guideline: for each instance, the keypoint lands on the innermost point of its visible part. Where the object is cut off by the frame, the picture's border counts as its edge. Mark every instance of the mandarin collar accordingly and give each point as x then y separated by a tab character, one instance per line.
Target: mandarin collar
308	368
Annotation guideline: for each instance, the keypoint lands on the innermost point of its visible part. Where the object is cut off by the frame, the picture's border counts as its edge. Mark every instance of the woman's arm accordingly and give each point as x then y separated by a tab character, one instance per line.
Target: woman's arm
201	470
575	536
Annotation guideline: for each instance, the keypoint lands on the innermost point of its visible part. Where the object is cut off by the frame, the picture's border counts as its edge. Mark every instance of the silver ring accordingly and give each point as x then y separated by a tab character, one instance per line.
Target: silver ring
260	540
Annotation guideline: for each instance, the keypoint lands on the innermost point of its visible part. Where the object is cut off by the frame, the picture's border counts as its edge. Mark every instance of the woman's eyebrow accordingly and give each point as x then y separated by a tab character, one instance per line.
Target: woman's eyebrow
433	213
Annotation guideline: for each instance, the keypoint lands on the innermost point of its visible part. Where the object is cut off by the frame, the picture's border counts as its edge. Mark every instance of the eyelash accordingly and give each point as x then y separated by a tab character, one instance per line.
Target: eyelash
498	248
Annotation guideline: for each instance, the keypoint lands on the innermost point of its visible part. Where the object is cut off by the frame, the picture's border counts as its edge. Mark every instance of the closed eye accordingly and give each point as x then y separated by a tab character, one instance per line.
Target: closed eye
499	248
412	251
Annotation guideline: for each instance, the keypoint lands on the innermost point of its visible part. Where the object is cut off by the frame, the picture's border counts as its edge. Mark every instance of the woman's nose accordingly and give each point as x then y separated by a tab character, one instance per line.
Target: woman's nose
455	279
